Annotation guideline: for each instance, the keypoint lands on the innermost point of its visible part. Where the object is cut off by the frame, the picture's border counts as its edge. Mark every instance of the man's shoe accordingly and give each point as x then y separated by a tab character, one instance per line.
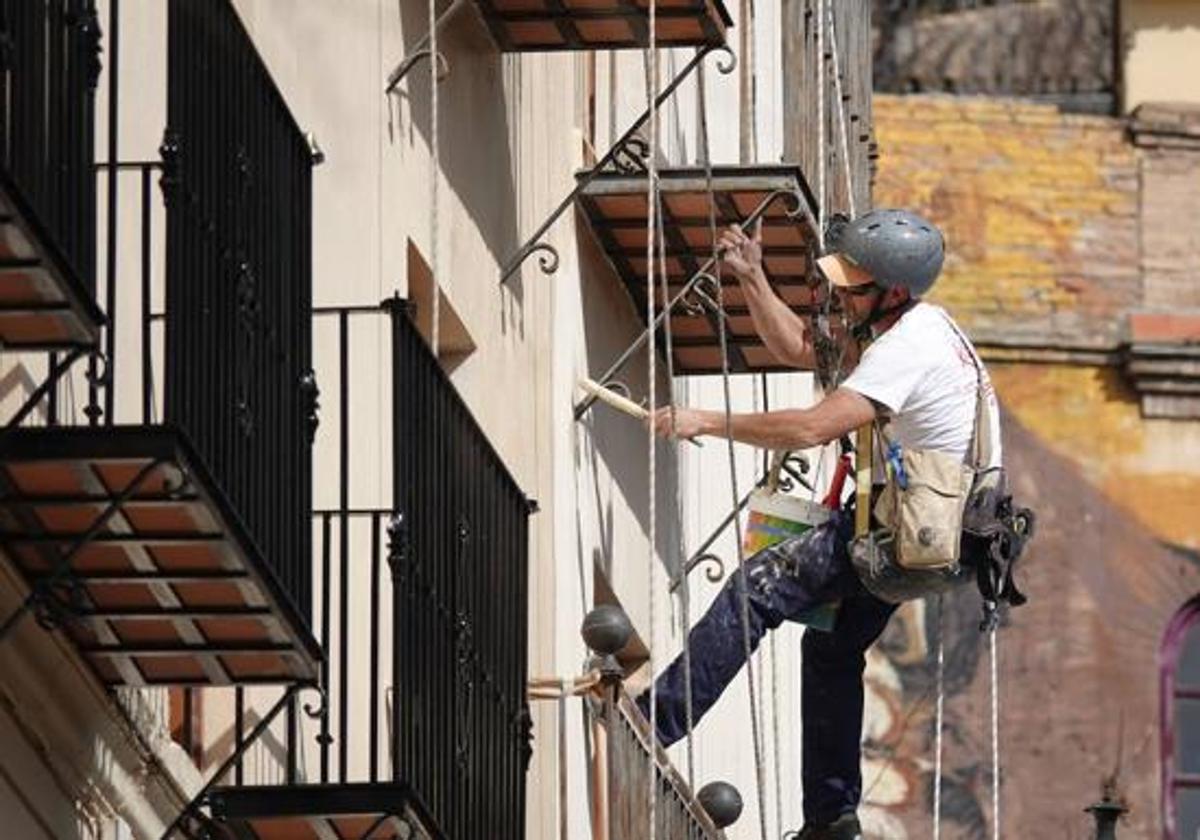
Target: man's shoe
845	827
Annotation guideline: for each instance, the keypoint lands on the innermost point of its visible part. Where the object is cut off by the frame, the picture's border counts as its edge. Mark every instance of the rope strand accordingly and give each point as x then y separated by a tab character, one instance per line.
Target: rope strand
995	739
435	304
669	347
756	734
652	381
939	719
841	112
822	203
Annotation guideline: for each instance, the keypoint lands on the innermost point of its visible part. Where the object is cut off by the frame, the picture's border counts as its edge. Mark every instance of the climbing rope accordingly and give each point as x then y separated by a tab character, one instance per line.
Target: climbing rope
841	112
744	593
822	202
995	738
685	612
776	738
939	719
652	208
435	164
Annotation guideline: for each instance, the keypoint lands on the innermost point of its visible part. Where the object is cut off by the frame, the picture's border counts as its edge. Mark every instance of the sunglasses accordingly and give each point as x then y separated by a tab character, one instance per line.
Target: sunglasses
859	291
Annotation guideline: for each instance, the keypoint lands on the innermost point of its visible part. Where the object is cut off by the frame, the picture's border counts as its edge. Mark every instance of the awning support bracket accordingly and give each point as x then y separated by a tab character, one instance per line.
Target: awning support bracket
57	370
191	809
421	50
41	599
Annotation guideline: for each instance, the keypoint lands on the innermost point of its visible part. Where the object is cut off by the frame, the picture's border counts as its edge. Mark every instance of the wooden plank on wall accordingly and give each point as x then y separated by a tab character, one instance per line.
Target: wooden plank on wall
802	125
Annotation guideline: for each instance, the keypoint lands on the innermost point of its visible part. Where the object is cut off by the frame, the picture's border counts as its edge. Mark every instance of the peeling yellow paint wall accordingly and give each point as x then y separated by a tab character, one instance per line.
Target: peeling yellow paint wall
1149	468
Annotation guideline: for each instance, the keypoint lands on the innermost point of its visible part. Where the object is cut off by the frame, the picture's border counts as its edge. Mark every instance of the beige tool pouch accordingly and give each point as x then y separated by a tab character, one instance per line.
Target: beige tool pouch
925	516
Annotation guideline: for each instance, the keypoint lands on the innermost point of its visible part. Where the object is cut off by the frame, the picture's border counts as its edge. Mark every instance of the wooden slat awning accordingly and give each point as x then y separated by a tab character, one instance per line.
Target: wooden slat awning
364	811
554	25
616	206
43	304
165	587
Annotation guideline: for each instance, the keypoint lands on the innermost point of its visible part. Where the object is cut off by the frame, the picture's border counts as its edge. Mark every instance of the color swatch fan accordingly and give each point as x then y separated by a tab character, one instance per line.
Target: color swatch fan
775	517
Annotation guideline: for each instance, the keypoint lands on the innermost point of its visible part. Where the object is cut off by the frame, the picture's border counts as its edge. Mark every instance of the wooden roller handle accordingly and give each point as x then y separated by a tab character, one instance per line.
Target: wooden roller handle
621	404
613	399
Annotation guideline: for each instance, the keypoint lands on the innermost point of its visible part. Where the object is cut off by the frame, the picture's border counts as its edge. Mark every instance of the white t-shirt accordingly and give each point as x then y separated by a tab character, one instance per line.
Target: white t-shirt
922	372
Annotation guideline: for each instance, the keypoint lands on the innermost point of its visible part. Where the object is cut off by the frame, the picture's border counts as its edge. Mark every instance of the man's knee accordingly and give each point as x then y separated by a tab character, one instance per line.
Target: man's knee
757	580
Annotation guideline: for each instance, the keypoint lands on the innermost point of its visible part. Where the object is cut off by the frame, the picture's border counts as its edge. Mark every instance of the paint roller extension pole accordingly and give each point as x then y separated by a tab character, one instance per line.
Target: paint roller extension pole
620	403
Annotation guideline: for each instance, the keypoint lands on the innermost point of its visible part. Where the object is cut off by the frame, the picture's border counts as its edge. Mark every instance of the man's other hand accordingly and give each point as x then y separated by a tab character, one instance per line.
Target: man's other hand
741	254
688	422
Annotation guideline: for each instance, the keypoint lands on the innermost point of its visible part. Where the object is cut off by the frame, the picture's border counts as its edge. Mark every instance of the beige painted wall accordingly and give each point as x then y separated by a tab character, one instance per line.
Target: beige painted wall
1162	58
510	140
76	762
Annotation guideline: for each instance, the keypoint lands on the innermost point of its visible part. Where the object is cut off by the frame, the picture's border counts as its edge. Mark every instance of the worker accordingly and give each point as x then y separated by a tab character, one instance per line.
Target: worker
921	378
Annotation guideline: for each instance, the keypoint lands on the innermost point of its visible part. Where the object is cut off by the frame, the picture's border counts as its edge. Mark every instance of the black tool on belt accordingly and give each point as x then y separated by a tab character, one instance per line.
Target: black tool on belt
1004	529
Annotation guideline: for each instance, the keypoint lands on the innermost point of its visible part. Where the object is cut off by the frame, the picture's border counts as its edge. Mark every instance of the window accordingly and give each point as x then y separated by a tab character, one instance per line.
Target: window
1181	724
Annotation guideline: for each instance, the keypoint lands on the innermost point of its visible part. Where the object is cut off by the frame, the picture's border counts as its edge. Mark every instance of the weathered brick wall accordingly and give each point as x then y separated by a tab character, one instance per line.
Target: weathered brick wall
1040	210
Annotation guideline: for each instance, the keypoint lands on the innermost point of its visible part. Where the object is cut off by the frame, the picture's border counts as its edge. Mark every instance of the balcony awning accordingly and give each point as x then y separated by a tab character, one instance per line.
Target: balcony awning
43	304
164	586
552	25
374	811
615	205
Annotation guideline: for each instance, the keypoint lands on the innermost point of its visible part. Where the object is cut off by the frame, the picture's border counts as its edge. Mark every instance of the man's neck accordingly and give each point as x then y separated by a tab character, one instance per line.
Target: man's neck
892	318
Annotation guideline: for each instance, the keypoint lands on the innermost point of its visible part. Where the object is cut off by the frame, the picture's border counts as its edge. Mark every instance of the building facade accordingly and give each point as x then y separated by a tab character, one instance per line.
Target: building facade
293	279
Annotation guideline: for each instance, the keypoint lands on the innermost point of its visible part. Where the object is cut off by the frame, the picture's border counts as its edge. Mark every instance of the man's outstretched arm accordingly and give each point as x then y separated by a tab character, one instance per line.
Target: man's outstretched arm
801	428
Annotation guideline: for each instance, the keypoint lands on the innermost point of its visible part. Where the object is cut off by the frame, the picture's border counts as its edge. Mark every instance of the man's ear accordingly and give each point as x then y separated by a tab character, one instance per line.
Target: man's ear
896	296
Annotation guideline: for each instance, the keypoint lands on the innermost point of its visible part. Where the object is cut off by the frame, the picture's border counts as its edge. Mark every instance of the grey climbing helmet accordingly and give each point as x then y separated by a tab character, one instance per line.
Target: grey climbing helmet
896	247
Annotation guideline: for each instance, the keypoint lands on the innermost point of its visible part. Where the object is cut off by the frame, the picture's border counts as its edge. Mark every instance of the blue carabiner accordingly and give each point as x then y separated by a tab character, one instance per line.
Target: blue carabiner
895	457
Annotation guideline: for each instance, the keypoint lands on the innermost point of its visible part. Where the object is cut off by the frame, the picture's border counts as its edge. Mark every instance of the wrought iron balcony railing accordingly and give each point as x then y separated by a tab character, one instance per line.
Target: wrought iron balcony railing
421	606
49	66
237	178
631	758
461	721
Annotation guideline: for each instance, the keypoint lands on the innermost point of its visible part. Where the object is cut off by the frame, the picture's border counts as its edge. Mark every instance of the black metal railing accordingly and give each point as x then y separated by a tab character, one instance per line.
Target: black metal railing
677	815
422	602
49	66
461	721
237	182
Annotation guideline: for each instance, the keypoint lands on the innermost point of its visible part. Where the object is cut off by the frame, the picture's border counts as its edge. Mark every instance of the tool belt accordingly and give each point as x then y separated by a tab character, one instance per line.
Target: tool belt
936	511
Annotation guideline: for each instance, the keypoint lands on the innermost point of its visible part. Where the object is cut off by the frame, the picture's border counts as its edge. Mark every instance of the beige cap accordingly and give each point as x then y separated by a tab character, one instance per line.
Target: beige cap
841	271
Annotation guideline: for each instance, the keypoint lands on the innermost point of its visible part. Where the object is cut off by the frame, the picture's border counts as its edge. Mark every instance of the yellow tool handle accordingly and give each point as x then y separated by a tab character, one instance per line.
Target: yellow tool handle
862	479
613	399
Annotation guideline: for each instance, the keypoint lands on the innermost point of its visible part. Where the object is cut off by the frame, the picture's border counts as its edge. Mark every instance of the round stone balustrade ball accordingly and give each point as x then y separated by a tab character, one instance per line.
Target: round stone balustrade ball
722	802
606	629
